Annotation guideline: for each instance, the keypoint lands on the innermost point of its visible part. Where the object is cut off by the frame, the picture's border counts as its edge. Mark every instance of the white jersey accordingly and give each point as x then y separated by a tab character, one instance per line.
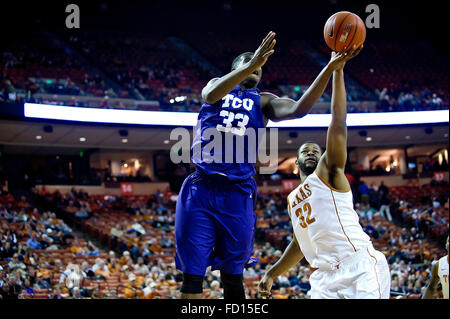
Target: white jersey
325	224
443	275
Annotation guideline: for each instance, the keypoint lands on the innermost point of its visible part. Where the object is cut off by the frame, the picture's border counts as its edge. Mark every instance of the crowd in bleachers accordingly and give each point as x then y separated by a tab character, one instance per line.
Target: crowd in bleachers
410	100
161	72
129	247
46	68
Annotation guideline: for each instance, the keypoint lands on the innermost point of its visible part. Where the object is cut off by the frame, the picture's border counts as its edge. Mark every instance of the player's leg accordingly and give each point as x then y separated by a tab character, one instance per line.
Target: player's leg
233	286
236	223
192	287
375	280
194	236
322	285
383	274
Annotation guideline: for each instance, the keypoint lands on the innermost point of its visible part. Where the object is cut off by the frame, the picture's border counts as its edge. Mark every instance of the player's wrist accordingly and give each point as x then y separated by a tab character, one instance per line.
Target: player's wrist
271	273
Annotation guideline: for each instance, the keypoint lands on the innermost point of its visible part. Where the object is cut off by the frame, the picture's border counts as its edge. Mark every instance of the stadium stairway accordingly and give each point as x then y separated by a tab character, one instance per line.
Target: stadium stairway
194	55
57	41
322	60
37	201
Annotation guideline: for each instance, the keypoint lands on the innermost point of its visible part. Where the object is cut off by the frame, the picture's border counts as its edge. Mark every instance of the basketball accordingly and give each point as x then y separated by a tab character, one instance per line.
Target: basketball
343	30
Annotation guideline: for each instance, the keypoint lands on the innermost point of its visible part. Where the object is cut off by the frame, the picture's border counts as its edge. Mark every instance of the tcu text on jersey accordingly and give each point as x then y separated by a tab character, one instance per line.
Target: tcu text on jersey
234	122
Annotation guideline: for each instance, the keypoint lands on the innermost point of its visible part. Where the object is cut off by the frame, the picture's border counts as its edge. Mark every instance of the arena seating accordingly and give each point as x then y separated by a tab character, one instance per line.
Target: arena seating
46	68
159	71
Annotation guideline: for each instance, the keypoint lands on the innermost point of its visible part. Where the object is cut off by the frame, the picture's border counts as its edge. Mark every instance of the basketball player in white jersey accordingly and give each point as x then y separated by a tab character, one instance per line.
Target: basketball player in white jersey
439	272
326	227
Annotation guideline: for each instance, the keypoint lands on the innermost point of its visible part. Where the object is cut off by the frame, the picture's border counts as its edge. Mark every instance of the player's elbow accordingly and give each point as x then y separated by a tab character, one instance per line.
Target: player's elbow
207	97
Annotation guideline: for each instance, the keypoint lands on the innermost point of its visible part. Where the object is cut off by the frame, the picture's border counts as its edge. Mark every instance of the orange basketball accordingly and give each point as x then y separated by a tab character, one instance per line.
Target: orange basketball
343	30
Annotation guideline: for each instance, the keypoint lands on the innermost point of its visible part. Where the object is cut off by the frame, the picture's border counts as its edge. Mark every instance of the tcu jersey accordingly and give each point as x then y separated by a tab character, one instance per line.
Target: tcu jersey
324	222
443	275
232	117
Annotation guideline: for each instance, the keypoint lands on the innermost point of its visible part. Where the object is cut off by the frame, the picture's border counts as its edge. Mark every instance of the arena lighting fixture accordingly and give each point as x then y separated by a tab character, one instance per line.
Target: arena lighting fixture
288	141
166	141
82	139
124	140
368	139
38	137
96	115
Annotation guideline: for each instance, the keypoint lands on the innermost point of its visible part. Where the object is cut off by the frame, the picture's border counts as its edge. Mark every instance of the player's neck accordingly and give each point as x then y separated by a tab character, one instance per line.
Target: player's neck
303	176
243	87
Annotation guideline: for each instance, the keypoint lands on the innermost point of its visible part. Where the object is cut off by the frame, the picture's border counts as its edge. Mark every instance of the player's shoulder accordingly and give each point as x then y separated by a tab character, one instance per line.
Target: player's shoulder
266	97
435	264
268	94
442	260
292	194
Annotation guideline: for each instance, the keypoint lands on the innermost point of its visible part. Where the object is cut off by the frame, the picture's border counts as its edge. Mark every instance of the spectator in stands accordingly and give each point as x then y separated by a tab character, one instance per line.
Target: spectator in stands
383	194
216	292
116	233
100	269
363	191
87	270
140	268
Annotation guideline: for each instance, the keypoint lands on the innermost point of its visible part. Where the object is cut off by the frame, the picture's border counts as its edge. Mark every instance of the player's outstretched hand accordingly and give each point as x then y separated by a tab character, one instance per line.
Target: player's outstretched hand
338	60
265	286
264	51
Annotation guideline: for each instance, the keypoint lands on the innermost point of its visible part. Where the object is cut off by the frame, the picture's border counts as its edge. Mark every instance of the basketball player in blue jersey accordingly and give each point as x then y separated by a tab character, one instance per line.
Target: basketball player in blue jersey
215	219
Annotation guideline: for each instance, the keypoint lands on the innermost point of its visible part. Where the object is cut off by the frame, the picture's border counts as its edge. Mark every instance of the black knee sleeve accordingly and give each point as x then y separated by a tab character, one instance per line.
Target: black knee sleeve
233	286
192	284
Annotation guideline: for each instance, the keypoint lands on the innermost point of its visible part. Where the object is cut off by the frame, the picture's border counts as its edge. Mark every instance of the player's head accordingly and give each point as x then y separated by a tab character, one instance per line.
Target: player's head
253	79
308	156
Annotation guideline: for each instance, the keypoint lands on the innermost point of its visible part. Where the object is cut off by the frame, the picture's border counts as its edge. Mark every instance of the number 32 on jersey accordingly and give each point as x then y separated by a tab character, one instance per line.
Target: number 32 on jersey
304	215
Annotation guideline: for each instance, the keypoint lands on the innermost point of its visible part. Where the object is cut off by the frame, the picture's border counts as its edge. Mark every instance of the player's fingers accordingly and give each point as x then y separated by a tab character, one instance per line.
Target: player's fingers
267	41
267	54
272	44
339	56
358	50
267	36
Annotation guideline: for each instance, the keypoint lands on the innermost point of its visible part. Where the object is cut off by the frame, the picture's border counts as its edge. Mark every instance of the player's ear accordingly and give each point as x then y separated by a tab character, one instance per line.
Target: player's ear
296	163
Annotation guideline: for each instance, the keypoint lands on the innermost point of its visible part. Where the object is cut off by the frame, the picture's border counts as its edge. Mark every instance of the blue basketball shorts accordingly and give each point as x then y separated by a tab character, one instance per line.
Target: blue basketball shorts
214	224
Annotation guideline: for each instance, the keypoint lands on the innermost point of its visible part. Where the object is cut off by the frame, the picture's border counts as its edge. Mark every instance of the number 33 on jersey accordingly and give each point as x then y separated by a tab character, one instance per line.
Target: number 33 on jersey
236	113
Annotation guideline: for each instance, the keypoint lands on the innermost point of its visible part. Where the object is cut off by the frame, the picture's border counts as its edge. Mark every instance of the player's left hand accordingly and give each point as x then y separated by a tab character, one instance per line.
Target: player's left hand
265	286
338	60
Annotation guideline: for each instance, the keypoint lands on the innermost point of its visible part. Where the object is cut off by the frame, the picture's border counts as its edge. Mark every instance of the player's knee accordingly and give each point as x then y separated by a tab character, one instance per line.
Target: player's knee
233	286
192	284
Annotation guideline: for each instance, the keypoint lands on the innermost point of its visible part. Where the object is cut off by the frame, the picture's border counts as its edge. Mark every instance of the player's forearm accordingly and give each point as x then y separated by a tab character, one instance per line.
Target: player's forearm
313	93
291	256
428	294
226	83
339	98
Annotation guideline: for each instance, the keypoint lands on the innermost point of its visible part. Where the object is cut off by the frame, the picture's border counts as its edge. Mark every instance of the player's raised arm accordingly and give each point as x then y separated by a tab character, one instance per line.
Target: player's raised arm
219	87
336	146
279	109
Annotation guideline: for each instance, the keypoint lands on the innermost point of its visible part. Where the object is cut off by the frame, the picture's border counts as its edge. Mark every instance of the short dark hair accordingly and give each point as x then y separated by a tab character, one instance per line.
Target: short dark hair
236	60
309	142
